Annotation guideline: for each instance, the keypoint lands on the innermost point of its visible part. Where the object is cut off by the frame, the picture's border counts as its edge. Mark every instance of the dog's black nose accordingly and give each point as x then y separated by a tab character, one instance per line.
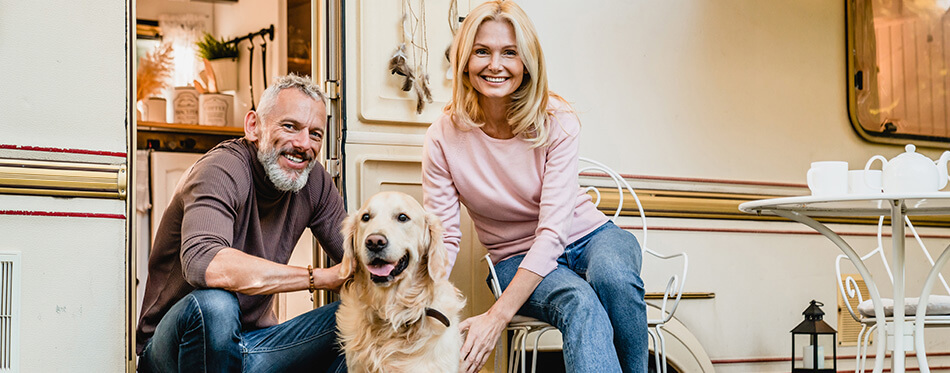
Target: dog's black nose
376	242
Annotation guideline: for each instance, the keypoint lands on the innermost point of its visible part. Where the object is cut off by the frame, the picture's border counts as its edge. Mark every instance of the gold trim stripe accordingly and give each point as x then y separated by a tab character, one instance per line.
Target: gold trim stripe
63	179
686	204
686	295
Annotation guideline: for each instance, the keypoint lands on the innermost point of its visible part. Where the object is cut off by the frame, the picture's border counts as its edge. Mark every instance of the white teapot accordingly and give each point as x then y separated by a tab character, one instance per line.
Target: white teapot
912	172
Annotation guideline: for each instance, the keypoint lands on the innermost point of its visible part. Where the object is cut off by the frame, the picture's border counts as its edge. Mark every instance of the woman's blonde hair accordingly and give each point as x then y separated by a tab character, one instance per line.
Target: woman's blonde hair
528	111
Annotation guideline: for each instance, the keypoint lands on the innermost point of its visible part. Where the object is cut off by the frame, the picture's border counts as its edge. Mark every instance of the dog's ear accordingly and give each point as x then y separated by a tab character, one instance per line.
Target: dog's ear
436	254
349	246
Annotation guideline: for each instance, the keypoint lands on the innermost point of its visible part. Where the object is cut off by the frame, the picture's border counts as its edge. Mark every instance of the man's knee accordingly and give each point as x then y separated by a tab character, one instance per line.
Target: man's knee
215	310
203	321
214	301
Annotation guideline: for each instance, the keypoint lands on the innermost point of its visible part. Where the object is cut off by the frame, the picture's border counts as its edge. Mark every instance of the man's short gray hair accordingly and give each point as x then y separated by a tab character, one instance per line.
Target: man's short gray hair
302	83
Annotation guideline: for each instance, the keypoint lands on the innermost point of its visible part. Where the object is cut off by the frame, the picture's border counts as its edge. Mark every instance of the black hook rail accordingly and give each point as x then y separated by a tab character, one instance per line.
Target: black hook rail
264	31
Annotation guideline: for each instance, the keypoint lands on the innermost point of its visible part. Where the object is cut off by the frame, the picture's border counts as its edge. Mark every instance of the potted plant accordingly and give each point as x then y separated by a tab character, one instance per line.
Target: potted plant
223	58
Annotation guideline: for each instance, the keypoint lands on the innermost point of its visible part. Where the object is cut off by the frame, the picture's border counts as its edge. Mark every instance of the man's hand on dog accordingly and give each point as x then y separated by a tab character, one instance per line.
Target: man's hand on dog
329	278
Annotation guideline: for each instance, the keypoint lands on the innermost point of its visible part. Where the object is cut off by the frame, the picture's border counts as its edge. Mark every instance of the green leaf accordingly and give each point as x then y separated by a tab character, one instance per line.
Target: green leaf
211	48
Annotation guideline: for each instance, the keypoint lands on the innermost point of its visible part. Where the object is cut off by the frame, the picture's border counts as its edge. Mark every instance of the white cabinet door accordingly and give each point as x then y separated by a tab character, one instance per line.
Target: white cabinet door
167	169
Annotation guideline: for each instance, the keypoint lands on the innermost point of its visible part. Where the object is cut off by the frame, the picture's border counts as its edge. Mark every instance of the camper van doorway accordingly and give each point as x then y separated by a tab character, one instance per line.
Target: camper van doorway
272	38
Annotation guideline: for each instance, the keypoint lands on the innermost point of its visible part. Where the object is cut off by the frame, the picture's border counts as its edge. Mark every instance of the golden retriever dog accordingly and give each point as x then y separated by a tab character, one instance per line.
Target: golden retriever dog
399	312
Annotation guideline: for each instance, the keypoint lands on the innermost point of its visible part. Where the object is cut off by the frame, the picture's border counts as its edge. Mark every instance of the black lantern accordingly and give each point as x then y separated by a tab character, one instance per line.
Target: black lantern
816	343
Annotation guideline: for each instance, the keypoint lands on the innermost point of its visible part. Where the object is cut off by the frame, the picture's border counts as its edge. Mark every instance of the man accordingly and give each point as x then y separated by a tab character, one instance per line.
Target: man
222	247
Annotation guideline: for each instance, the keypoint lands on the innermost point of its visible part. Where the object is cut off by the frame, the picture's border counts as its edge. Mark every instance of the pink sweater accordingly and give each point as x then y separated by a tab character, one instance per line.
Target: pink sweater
521	200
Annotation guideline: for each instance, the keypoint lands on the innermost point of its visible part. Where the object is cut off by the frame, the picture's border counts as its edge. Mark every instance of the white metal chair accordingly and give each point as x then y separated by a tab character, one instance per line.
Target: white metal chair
523	326
937	309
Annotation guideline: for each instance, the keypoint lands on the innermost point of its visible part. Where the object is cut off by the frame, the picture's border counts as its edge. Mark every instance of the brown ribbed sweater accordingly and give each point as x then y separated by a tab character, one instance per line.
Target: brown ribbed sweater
226	200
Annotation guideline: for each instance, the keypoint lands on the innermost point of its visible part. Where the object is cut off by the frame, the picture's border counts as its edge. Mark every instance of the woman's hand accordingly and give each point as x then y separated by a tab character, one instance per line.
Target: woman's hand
482	334
485	329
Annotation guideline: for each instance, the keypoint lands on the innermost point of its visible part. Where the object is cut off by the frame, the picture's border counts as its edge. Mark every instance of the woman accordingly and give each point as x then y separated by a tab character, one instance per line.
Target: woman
507	149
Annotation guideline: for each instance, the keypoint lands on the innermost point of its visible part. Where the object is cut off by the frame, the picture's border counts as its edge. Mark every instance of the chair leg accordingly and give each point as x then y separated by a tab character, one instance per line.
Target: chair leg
867	345
501	351
524	354
513	355
858	364
534	354
537	340
656	346
659	333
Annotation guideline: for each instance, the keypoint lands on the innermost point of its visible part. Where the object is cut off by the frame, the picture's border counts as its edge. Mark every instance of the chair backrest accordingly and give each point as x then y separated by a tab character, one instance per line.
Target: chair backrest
674	286
925	251
493	284
588	165
848	286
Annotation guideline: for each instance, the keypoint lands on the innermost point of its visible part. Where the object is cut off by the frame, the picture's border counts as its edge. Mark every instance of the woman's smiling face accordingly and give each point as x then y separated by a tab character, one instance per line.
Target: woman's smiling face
494	67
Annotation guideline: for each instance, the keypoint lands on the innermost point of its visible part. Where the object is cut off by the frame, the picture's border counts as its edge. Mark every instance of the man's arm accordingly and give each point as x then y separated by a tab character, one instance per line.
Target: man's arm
327	220
234	270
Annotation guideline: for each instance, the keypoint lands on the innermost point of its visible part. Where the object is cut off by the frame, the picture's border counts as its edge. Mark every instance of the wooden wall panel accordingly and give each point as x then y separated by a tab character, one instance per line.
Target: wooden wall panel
913	77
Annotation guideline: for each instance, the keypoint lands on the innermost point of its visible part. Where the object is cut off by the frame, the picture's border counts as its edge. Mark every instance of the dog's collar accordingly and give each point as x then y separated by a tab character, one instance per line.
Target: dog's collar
435	314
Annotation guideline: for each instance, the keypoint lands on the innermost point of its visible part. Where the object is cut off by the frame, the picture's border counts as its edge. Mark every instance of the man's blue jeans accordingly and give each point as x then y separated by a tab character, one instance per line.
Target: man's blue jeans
202	333
595	298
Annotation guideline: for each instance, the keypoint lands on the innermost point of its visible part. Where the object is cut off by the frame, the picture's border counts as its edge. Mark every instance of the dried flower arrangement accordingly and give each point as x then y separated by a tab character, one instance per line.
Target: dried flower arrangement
155	69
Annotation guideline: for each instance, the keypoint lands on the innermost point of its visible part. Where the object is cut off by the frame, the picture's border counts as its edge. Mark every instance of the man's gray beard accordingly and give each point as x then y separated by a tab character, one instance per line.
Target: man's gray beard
280	177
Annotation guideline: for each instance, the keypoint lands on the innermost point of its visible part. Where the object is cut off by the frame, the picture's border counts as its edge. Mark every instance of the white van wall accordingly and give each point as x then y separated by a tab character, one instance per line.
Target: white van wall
64	79
731	90
64	87
741	90
736	90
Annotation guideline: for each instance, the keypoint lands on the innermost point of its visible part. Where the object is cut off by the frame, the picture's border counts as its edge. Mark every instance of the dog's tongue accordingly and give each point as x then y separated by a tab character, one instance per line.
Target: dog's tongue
382	270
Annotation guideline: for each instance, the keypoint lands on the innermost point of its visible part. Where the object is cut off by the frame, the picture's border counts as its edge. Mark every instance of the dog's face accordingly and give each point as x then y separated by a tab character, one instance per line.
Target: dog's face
390	238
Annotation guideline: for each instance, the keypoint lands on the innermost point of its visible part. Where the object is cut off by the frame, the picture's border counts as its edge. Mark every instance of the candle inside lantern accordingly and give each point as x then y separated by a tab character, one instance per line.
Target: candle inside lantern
808	355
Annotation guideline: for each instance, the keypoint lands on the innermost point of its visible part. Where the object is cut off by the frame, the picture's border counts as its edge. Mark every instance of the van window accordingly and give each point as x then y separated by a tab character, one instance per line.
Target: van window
899	76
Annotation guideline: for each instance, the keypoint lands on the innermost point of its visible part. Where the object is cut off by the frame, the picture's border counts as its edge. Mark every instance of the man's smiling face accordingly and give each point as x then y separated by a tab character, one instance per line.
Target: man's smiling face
289	136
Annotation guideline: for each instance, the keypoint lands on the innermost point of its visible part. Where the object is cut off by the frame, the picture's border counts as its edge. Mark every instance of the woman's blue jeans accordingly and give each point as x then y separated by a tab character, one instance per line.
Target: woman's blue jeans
595	298
202	333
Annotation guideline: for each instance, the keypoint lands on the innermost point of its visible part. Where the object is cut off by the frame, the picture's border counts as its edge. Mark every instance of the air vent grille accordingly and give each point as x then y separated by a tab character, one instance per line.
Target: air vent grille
9	312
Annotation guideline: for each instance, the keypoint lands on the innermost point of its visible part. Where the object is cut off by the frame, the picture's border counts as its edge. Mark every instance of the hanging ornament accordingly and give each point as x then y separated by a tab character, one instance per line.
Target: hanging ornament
398	66
411	57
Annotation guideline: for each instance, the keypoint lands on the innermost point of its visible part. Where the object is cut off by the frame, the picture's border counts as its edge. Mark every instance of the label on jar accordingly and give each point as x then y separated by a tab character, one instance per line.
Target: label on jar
186	105
215	110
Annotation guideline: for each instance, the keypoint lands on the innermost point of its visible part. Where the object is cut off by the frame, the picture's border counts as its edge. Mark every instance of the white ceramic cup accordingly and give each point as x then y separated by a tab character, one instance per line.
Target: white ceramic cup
864	182
154	109
828	178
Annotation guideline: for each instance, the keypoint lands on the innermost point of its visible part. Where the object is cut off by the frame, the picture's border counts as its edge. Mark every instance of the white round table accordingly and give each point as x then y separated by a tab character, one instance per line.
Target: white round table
805	209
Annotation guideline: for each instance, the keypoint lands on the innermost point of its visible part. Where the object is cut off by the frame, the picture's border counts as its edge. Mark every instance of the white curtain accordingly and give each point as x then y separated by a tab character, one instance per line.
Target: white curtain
182	31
